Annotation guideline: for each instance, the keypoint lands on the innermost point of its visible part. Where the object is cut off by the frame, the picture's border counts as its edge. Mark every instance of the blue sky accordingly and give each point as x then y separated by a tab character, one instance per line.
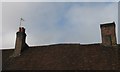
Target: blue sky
56	22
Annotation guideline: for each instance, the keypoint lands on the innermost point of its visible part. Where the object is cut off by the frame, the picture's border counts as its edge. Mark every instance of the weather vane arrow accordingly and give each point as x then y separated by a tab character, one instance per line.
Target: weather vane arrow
21	19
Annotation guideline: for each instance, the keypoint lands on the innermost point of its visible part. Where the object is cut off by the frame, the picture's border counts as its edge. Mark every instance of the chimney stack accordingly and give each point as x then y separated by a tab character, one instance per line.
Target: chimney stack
108	34
20	44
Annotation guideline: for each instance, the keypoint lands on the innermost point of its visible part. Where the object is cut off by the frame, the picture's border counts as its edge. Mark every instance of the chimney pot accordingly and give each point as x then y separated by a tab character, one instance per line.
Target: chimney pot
21	29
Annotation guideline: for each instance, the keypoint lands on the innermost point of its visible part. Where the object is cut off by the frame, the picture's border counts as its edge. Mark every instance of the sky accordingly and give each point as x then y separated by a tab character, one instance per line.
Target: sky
56	22
118	23
60	0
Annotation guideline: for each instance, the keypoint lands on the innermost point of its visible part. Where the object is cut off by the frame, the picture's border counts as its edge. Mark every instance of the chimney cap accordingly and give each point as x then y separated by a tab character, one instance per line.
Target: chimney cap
107	24
21	29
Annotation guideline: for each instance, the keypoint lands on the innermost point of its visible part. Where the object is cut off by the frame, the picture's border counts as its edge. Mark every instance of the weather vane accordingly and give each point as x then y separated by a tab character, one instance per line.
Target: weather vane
21	19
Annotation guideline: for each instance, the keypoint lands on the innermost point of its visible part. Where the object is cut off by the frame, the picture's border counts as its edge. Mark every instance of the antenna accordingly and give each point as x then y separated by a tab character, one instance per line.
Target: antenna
21	19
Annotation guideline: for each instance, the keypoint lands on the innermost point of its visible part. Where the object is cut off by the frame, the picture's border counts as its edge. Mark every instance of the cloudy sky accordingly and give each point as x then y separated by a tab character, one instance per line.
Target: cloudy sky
118	23
56	22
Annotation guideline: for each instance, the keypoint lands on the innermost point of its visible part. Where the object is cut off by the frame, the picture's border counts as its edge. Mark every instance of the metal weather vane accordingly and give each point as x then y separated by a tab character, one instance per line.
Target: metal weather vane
21	19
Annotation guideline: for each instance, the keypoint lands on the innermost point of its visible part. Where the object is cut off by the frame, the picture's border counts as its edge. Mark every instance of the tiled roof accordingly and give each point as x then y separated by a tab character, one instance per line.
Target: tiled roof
64	57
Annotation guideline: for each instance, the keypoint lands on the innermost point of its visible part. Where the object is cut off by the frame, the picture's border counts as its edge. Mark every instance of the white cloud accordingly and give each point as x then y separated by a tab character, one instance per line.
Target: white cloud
40	21
42	24
86	20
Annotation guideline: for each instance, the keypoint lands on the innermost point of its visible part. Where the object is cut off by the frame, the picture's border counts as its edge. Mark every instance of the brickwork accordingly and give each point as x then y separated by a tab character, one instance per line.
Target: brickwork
108	34
20	42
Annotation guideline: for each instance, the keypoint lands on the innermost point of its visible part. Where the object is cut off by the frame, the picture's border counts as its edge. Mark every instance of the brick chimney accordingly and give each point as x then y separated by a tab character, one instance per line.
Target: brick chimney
20	44
108	34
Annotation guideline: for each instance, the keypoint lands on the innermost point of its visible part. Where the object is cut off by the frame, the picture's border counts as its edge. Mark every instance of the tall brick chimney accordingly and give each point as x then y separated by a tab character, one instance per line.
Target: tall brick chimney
108	34
20	44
